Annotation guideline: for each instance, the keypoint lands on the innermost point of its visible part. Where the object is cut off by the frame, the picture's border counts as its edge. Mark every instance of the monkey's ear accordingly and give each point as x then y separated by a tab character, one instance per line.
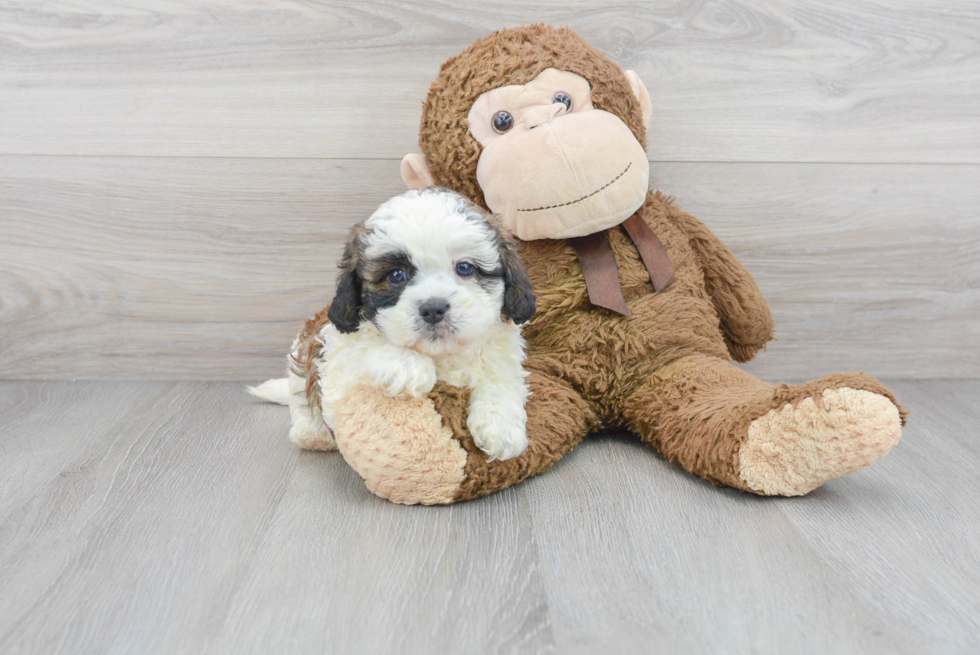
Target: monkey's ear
641	93
518	292
415	171
345	309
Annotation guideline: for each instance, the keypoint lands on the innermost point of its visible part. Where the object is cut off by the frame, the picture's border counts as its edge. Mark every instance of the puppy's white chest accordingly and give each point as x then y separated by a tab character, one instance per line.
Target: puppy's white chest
452	374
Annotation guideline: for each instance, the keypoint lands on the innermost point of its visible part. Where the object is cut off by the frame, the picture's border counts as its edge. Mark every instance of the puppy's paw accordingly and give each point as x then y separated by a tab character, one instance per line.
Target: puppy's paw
308	437
409	374
500	433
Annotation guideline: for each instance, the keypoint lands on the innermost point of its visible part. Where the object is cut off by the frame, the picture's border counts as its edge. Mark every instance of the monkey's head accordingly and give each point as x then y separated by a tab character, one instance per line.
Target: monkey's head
540	127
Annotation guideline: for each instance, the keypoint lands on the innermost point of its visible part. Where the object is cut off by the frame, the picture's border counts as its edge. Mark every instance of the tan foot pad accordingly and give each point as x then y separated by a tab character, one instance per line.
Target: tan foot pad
793	450
400	448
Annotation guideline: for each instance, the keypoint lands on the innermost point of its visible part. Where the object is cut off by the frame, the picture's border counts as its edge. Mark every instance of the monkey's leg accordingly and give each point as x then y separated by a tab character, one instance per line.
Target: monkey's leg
558	418
408	452
729	427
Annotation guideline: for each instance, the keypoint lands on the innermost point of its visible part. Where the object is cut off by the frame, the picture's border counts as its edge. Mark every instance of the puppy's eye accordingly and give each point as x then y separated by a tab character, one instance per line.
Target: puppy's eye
465	269
502	121
564	99
397	276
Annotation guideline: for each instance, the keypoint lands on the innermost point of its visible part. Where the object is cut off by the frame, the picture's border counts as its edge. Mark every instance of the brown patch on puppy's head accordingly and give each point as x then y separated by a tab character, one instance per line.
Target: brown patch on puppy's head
345	309
519	300
511	57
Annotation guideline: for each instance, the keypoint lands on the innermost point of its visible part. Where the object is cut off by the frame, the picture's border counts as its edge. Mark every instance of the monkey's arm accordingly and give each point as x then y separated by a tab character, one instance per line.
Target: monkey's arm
745	317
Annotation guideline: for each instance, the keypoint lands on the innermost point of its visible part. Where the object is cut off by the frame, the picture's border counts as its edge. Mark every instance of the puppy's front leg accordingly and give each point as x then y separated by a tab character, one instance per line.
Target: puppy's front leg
400	371
496	418
497	422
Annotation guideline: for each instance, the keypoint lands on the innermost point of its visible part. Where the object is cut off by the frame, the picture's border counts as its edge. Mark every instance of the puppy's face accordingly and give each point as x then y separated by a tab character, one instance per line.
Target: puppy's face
431	273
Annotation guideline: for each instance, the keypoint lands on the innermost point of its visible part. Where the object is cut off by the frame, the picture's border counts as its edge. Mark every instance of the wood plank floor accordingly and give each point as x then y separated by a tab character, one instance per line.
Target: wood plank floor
160	517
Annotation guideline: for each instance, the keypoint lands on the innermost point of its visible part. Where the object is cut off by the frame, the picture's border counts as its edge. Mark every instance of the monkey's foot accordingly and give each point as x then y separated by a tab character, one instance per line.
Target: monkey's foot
400	447
796	448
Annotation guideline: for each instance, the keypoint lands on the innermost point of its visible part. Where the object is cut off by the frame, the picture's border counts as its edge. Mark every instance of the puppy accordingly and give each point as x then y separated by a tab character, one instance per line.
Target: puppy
428	290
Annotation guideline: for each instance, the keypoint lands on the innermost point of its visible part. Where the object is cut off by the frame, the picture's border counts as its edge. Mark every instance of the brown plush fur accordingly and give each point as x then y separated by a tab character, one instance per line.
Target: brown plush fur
501	59
666	372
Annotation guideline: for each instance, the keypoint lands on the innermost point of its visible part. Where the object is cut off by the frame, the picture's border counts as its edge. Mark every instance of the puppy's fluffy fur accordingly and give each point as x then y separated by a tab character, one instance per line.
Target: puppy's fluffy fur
428	290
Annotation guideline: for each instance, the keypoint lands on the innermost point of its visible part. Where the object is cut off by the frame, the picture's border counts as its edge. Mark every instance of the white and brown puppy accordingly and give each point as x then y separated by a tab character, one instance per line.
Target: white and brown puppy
429	290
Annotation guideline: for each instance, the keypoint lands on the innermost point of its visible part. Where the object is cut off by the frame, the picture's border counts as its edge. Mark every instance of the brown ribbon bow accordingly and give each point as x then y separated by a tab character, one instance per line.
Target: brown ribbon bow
602	273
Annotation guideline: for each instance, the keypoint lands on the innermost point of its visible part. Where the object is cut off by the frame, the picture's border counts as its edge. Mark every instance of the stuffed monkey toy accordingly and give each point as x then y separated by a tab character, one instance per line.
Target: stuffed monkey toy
641	309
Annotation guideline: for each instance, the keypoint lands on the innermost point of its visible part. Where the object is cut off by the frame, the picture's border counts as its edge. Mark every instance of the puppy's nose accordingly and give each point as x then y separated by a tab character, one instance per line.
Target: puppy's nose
433	310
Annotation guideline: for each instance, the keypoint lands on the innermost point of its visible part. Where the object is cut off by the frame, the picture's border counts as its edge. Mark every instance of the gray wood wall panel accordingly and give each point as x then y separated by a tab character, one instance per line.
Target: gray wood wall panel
203	268
168	169
749	80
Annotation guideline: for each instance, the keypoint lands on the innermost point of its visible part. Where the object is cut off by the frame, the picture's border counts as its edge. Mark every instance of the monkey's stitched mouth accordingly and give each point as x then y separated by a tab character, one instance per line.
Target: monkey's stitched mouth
572	202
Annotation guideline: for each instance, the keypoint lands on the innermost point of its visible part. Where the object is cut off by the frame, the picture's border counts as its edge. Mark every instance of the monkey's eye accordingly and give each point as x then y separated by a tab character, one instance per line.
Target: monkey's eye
465	269
397	276
564	99
502	121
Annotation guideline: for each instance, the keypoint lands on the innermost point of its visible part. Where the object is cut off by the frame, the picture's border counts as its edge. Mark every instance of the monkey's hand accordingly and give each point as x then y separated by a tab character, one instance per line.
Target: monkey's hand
400	447
745	317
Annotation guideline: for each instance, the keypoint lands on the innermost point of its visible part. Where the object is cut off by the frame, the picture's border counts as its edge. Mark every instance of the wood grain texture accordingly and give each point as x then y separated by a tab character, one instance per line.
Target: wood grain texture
191	524
871	268
158	517
170	268
731	80
884	560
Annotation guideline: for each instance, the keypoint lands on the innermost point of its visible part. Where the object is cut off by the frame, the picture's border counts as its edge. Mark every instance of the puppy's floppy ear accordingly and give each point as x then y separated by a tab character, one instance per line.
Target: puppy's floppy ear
345	309
518	292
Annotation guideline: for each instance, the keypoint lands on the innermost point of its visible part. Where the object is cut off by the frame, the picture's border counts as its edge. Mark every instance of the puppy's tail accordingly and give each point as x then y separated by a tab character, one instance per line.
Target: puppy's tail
273	391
